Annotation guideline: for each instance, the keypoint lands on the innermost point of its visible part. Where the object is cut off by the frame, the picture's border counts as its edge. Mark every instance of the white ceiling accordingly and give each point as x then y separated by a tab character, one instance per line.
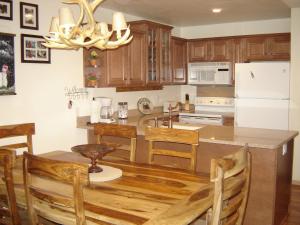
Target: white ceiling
198	12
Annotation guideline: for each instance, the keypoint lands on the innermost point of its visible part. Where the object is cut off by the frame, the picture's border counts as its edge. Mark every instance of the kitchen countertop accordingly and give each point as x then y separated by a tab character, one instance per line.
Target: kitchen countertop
259	138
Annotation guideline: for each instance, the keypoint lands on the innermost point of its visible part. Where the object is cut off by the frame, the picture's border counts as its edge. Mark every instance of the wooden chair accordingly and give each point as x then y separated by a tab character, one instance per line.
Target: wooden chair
189	137
26	129
231	178
8	207
120	131
42	200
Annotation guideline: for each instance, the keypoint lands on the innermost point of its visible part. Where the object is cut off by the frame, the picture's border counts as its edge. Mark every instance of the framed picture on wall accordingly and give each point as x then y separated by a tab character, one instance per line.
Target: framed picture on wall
7	64
32	50
6	9
29	16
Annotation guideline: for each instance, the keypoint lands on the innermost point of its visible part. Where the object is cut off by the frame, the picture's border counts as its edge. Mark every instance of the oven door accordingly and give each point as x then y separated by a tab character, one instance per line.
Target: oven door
201	120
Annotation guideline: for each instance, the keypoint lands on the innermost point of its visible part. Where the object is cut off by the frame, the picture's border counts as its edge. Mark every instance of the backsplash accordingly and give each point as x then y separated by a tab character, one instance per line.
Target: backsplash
215	91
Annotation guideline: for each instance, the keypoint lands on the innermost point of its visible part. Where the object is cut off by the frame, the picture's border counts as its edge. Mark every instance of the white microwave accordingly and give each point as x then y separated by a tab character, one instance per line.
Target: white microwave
214	73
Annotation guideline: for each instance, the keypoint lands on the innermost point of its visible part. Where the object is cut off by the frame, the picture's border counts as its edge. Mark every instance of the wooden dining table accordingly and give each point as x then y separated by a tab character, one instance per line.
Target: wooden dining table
144	194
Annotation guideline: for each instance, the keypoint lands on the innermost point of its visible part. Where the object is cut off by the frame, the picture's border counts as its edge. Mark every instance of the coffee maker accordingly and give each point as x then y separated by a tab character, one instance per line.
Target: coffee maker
106	110
101	110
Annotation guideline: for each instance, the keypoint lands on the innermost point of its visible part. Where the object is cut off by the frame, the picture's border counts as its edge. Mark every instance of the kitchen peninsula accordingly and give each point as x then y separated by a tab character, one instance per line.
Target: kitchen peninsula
272	160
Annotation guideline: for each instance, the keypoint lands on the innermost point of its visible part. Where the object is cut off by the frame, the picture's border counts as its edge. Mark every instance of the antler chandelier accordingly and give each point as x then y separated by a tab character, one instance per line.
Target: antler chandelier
66	34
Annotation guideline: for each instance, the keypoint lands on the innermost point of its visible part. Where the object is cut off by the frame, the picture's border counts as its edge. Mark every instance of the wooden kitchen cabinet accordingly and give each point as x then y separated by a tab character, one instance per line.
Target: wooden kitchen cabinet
212	49
121	67
179	60
199	50
158	51
267	47
221	50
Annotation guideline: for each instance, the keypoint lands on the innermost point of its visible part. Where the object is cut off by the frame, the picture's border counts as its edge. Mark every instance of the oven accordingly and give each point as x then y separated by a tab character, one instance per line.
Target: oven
208	110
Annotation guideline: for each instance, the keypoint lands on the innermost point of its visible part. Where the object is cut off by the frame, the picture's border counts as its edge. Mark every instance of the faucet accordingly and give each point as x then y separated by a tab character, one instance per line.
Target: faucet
170	124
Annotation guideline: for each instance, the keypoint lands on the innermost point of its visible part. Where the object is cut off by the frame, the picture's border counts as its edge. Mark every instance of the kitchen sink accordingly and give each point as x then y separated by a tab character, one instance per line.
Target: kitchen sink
186	127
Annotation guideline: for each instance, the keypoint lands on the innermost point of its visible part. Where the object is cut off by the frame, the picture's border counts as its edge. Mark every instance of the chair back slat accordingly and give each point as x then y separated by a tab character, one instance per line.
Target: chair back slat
172	135
231	177
115	130
16	130
120	131
55	169
187	137
7	161
59	171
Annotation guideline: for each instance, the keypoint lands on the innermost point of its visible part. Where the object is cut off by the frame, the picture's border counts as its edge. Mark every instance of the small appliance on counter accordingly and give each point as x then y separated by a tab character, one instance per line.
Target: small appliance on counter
174	105
101	110
106	111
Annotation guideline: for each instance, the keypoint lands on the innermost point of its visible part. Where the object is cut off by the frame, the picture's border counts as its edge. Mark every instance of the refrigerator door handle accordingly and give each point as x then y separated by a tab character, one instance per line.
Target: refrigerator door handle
252	75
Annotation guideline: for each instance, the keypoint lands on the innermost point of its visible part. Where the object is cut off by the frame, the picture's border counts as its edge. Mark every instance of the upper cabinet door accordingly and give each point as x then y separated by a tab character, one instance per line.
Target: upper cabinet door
165	56
179	61
256	48
222	50
137	55
199	50
267	47
117	66
279	46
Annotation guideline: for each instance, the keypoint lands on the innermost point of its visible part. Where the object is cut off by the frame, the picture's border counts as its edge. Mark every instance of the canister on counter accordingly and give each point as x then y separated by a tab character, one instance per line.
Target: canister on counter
122	110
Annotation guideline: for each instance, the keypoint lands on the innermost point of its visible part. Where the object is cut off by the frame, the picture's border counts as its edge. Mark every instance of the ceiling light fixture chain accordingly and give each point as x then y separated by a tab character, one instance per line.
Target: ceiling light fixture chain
65	34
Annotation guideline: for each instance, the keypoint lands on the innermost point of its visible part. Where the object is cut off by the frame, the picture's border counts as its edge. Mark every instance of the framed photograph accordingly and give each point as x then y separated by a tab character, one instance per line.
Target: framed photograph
32	50
7	64
6	9
29	16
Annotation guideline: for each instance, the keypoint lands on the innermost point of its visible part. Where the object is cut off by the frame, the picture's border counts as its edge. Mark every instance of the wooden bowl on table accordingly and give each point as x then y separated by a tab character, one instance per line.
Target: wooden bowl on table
94	152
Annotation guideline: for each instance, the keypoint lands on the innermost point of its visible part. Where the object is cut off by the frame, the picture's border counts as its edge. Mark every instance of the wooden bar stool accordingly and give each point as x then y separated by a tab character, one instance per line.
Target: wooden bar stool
188	137
16	130
46	200
121	131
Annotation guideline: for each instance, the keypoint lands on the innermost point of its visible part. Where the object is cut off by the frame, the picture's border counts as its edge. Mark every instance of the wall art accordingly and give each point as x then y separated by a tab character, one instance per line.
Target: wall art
29	16
6	9
7	64
32	50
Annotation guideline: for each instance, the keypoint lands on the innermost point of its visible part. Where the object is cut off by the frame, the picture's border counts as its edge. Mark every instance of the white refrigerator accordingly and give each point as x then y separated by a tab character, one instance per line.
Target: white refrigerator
262	95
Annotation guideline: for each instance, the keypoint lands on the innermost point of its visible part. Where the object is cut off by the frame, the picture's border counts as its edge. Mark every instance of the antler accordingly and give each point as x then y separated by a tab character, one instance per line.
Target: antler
86	35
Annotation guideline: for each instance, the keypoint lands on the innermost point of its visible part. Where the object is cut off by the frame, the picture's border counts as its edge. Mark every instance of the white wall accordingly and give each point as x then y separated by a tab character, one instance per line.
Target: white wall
238	28
295	91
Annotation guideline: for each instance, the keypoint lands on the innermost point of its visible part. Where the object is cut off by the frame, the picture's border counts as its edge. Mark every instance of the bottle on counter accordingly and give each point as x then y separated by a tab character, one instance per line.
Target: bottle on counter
187	102
122	110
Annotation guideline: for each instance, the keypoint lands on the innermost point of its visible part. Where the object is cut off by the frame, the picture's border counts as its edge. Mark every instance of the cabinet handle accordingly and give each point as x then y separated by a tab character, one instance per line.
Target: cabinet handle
252	75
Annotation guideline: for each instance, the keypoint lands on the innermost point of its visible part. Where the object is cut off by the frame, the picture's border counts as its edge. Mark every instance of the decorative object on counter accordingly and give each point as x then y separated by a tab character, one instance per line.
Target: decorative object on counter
6	10
187	102
122	110
33	51
92	80
93	58
7	64
65	33
29	16
145	106
94	152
